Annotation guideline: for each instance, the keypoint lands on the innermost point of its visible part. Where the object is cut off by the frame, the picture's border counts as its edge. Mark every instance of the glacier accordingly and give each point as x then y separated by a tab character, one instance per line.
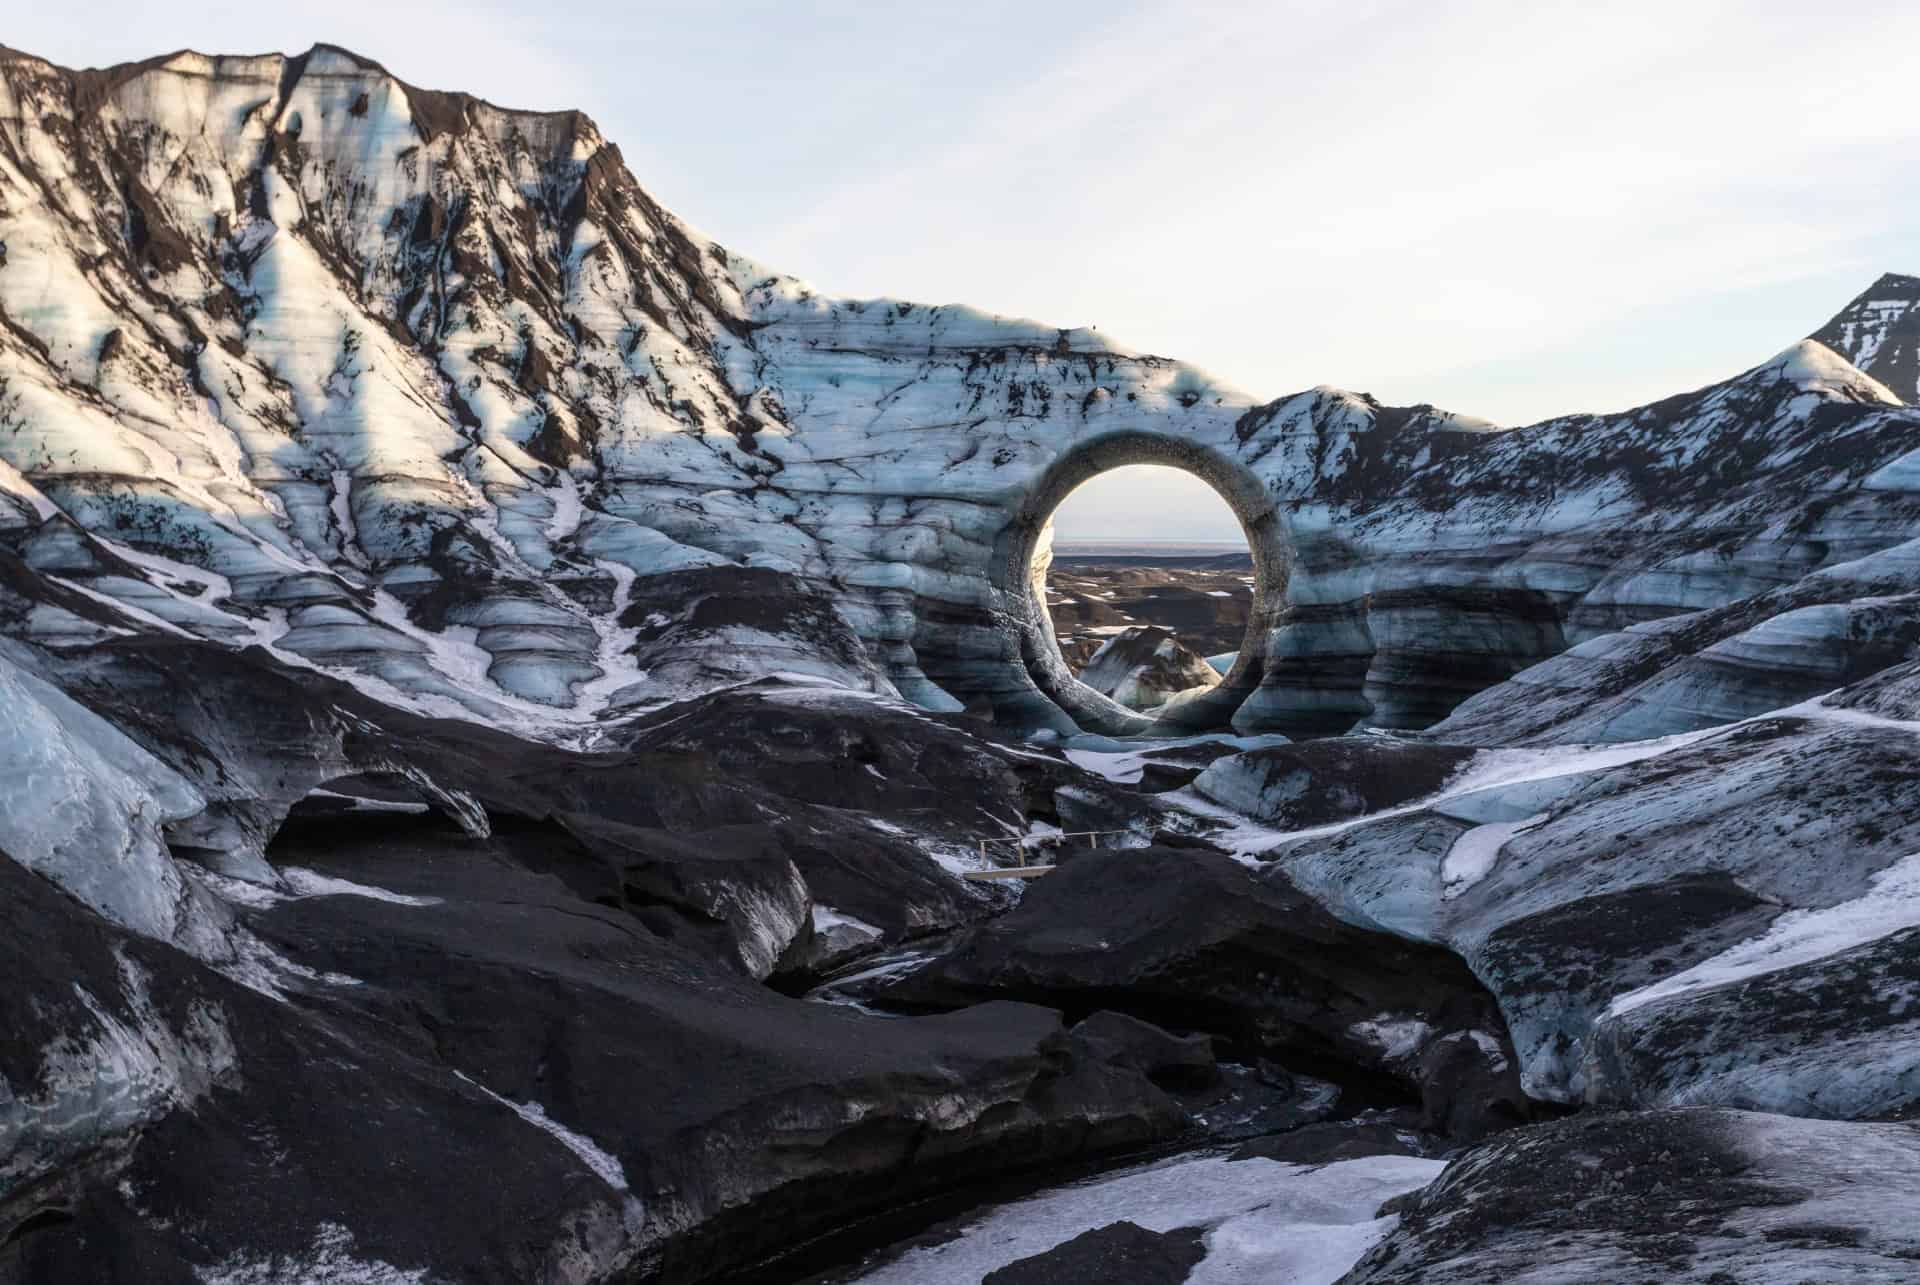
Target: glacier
429	393
461	626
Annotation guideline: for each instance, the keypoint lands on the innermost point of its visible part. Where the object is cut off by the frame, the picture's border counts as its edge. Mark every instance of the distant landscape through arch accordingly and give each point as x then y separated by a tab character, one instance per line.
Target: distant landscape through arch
1014	572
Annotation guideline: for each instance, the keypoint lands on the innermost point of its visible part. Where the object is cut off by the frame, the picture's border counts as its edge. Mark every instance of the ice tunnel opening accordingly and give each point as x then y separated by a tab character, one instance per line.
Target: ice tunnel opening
1177	514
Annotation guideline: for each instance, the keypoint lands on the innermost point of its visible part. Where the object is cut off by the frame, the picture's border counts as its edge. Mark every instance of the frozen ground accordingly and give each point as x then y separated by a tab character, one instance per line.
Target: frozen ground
1266	1223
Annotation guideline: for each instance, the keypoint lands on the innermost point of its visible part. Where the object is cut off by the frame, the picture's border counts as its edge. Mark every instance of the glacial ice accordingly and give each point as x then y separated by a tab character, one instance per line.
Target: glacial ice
85	807
111	1078
393	405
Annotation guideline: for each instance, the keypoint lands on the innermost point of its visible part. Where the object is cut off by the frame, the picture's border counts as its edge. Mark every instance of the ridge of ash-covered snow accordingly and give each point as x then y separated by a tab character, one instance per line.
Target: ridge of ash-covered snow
1722	916
462	627
433	396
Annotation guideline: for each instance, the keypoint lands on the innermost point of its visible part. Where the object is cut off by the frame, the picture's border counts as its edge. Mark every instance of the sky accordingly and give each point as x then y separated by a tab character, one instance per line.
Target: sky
1145	503
1509	210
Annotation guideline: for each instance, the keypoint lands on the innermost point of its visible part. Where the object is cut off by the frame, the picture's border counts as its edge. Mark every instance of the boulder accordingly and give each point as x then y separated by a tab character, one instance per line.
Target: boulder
421	1010
1316	782
1193	941
1121	1251
1171	1061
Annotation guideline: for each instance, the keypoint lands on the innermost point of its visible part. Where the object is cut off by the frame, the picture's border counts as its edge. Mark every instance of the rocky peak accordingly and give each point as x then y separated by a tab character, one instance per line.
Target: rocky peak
142	89
1880	333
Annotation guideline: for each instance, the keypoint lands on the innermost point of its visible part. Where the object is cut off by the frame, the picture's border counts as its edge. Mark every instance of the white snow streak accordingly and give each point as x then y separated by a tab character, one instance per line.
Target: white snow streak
605	1166
826	918
1474	853
311	883
329	1260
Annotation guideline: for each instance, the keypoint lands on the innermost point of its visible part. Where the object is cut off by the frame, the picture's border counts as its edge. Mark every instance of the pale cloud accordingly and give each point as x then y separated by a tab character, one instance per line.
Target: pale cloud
1145	502
1403	194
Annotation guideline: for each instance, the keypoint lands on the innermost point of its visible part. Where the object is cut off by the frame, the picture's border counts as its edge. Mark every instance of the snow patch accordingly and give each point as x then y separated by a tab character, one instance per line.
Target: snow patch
1267	1221
361	803
330	1259
1473	853
826	919
311	883
1490	769
1397	1038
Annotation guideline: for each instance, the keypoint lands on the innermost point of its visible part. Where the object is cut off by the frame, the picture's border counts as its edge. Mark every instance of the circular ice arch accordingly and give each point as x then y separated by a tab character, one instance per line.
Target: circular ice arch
1013	576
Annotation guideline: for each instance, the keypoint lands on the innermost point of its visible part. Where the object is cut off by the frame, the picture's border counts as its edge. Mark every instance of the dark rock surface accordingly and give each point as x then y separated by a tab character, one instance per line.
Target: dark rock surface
1332	1142
1880	333
1171	1061
1315	782
1708	1197
1194	941
449	972
440	1003
1122	1251
1205	602
803	796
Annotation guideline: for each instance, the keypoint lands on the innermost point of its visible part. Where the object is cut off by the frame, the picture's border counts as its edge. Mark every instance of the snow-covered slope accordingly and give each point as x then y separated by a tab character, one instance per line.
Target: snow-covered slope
433	393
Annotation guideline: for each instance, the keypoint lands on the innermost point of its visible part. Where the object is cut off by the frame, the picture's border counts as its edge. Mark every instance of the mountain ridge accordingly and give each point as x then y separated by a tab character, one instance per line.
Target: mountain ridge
391	381
1879	331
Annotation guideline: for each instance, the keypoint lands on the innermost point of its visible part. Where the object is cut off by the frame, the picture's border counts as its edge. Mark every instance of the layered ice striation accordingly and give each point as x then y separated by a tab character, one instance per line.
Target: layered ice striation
433	395
1725	916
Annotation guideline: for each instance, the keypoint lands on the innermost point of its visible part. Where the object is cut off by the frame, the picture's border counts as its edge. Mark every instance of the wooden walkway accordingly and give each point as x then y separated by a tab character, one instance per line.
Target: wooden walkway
1025	844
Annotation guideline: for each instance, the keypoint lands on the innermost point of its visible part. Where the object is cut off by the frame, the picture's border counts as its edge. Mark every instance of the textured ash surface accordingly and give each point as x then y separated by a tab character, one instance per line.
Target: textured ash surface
473	648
